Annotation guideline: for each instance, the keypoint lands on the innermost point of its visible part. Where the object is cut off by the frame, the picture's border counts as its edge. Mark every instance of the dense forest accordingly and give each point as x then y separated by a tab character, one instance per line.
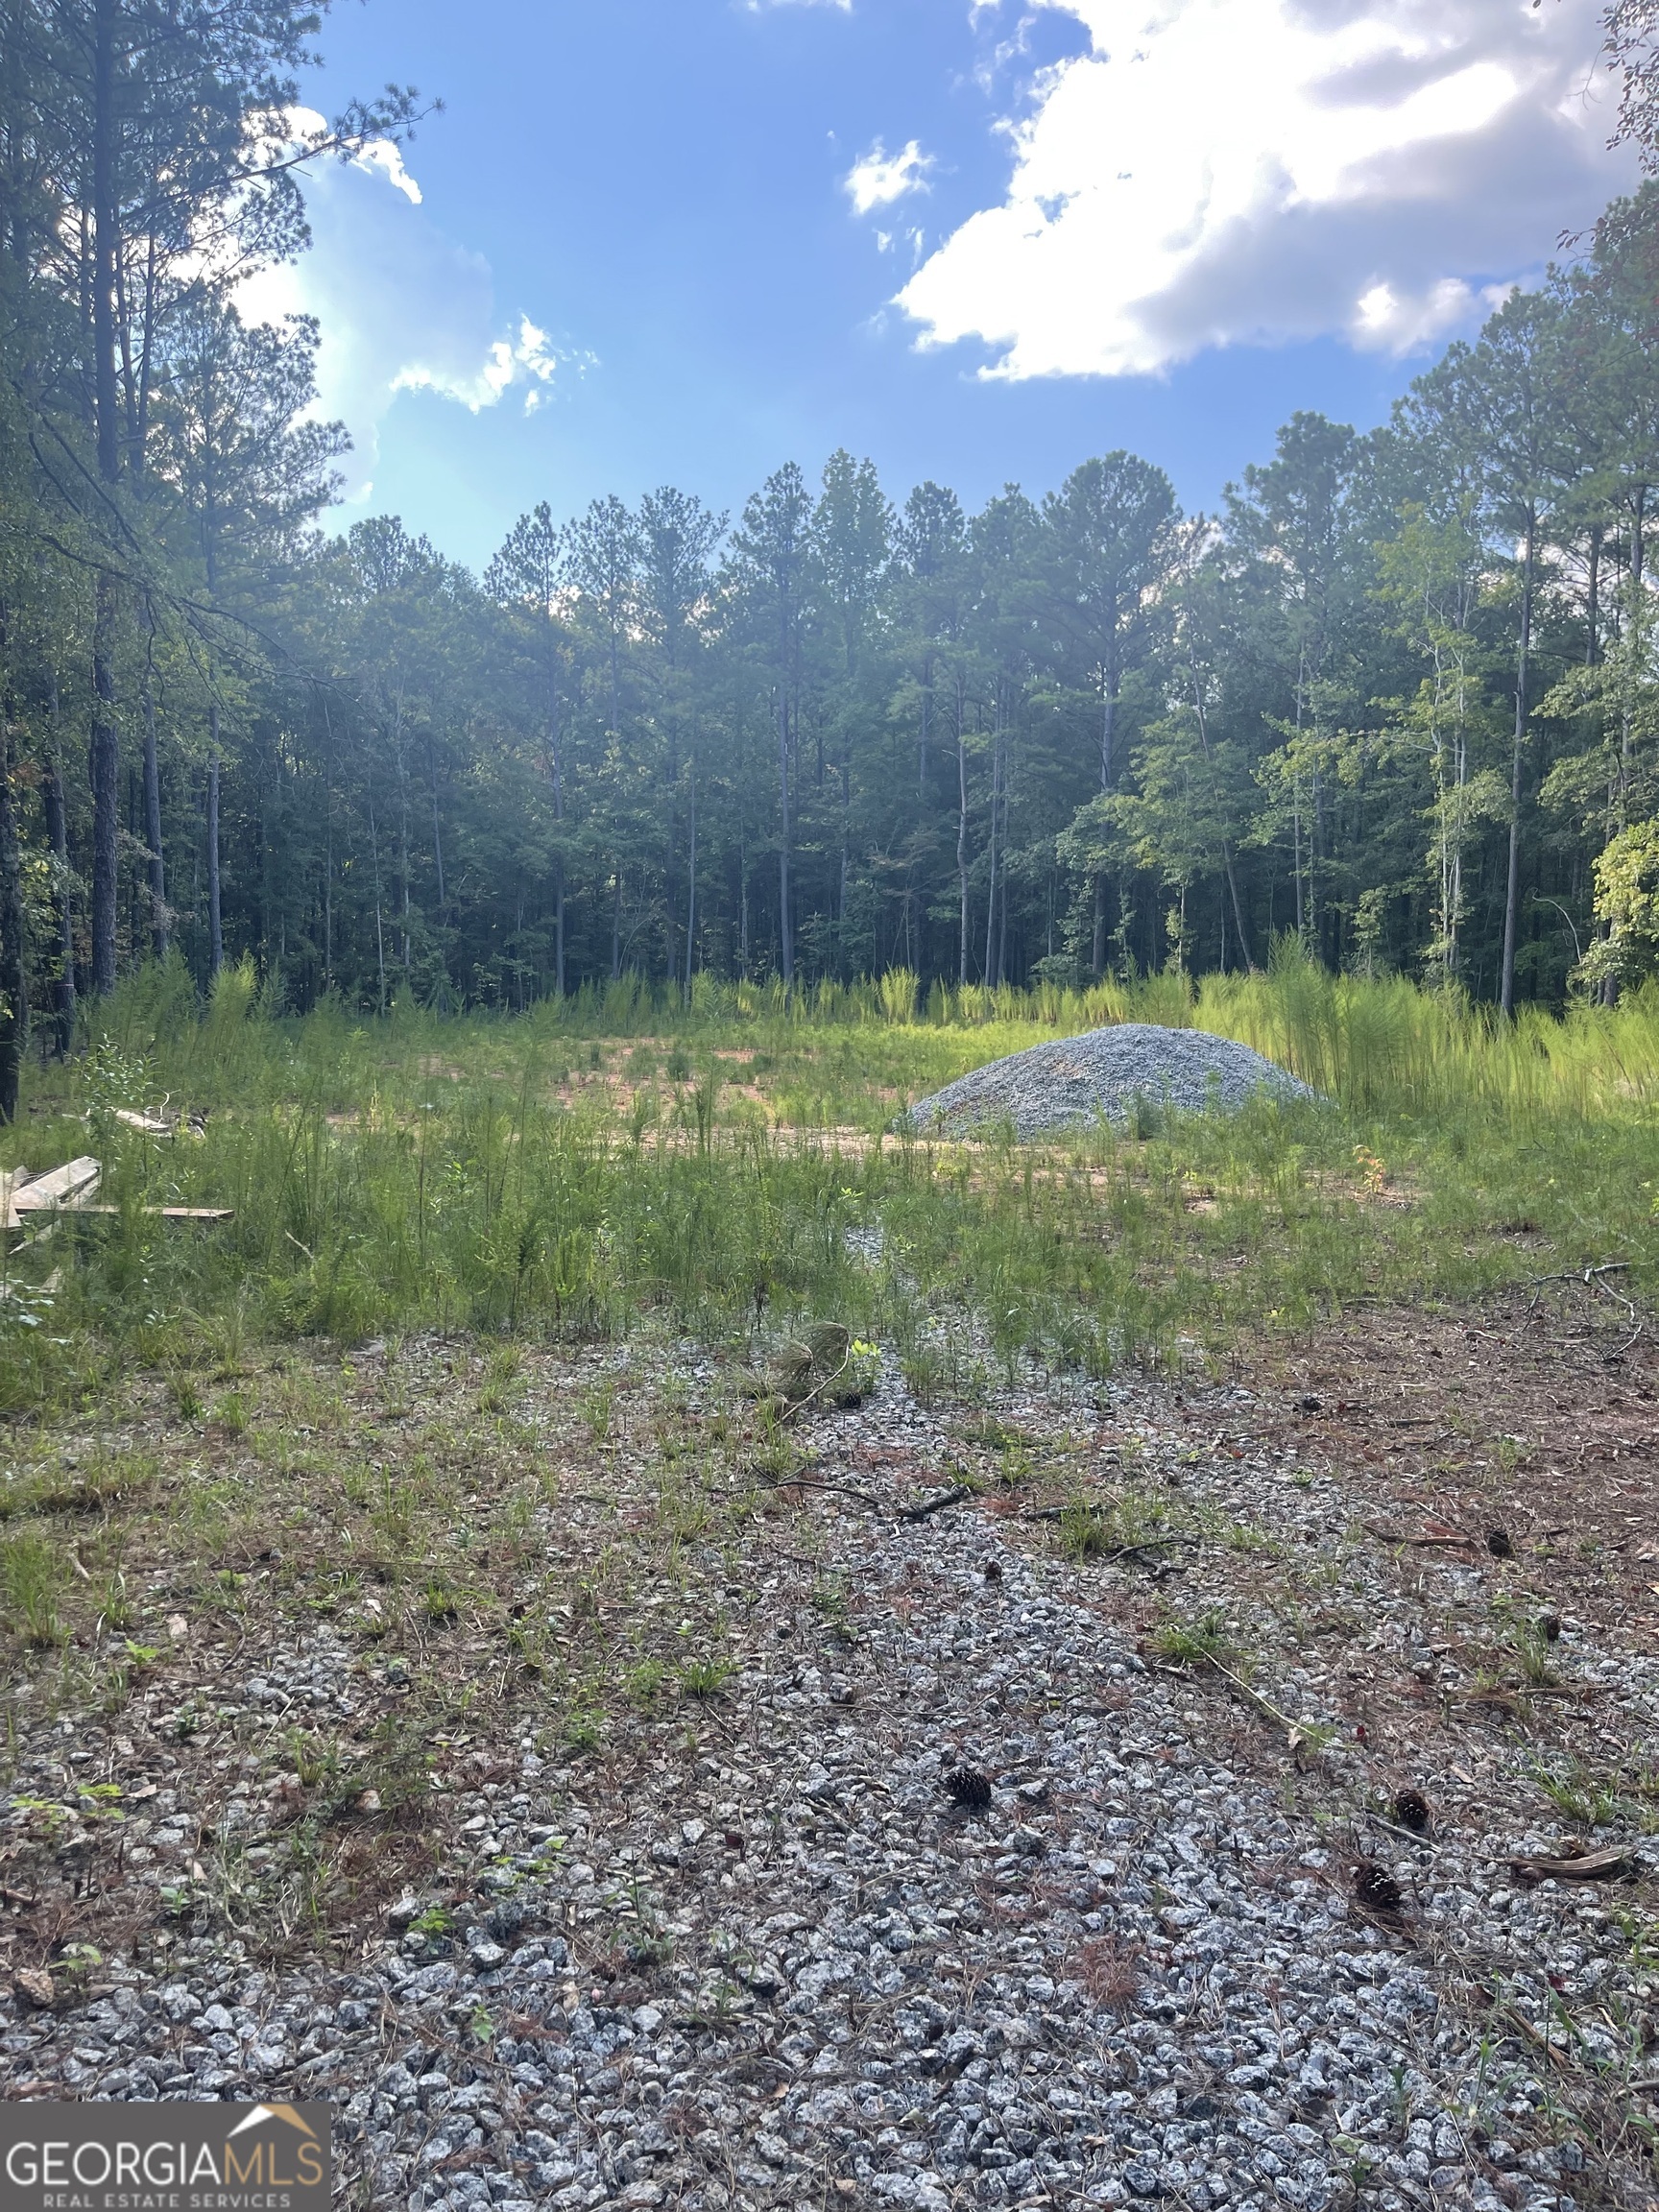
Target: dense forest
1399	697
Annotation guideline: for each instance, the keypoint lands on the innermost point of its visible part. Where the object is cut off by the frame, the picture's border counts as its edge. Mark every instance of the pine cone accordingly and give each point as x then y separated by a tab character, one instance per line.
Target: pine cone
1375	1888
1411	1811
966	1787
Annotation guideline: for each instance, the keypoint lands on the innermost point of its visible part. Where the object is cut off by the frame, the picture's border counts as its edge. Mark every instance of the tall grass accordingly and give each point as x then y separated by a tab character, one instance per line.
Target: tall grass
485	1173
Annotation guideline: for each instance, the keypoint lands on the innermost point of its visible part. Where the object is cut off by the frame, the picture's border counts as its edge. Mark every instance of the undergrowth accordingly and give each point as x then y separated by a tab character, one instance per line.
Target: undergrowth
724	1168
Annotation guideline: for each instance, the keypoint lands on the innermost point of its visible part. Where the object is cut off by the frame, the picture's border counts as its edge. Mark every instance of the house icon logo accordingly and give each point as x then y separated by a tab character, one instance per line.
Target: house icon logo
185	2157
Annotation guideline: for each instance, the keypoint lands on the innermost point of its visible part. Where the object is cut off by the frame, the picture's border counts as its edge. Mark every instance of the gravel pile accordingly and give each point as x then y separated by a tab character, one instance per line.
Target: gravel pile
1105	1072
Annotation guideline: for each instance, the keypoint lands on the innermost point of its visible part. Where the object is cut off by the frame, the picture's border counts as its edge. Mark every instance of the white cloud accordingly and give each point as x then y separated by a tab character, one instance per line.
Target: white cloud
402	308
388	159
879	177
1216	172
529	360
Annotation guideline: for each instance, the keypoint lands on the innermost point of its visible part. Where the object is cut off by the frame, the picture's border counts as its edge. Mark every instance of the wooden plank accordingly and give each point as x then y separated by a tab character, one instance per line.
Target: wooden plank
77	1180
11	1183
172	1212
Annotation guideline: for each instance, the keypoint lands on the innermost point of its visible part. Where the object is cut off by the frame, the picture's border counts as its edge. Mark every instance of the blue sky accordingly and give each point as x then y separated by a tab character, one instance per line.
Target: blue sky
683	241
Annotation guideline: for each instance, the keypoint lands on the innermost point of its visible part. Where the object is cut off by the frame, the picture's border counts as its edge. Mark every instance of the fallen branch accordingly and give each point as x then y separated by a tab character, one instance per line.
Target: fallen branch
1586	1275
1420	1543
940	1504
797	1405
1591	1277
1591	1867
836	1489
1408	1835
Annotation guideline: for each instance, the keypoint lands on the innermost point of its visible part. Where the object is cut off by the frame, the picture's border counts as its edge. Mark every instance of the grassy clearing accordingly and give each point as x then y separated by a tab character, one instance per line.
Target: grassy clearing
726	1176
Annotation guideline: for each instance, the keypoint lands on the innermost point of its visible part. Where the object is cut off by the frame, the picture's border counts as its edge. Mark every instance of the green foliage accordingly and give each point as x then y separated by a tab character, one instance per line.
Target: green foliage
1626	907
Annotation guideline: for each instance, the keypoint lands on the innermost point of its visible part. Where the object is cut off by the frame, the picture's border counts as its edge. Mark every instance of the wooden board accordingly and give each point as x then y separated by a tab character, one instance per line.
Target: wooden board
11	1183
172	1212
67	1186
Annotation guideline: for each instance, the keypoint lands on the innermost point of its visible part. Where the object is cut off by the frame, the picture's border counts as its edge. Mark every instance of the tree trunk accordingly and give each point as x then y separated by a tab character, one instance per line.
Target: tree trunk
58	831
559	921
437	832
1512	881
1226	843
215	914
158	929
786	933
329	853
379	924
691	880
962	832
990	975
105	777
14	981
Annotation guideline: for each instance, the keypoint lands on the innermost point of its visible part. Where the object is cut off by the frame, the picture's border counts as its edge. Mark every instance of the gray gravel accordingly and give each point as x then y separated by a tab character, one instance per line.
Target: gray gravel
779	1969
1076	1079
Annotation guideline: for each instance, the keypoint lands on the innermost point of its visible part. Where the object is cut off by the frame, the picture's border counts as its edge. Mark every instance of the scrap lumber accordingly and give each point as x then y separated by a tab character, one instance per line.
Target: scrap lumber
11	1182
61	1187
73	1188
172	1212
24	1195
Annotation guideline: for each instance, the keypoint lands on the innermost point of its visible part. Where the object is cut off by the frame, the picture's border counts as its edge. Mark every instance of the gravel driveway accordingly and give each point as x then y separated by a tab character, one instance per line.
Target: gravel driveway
762	1958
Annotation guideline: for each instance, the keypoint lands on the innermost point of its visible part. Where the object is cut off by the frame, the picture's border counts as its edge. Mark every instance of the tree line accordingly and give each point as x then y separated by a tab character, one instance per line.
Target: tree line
1398	697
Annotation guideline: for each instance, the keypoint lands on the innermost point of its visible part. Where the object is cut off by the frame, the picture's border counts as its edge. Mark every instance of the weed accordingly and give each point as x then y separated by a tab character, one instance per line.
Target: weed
1200	1642
31	1576
643	1683
1086	1532
599	1407
828	1599
1578	1795
232	1414
583	1729
185	1397
439	1601
1535	1653
501	1383
705	1678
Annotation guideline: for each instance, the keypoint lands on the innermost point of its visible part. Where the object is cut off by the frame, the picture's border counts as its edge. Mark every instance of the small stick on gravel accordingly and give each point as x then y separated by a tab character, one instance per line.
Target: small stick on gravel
939	1504
1410	1835
836	1489
1591	1867
1421	1543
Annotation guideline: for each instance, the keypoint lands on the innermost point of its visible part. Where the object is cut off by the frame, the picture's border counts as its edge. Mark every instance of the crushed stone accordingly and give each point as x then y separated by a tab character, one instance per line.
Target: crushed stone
1073	1080
774	1966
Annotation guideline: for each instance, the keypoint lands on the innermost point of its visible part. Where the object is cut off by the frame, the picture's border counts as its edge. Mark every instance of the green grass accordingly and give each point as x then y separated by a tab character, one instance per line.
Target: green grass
422	1173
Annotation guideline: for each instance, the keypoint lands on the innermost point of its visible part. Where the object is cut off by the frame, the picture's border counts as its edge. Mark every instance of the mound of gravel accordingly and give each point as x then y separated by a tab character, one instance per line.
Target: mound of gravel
1104	1072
